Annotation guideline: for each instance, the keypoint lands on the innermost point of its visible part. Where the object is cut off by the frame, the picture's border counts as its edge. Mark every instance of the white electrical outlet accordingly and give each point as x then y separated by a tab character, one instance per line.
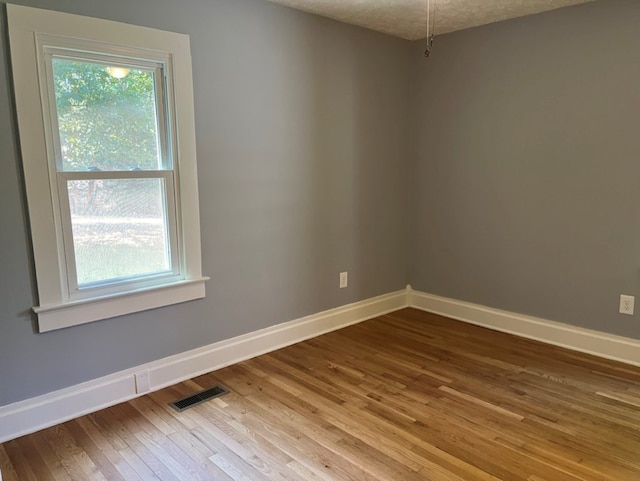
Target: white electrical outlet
626	304
344	280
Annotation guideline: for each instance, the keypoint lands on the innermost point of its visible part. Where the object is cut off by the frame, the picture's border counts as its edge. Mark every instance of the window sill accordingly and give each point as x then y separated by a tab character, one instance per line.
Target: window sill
73	313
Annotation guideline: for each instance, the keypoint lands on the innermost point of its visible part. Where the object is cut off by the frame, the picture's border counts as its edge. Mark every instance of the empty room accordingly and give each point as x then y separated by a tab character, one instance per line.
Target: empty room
320	240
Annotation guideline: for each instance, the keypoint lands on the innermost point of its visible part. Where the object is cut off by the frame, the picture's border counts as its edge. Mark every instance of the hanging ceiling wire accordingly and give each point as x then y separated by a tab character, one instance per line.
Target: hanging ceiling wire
431	20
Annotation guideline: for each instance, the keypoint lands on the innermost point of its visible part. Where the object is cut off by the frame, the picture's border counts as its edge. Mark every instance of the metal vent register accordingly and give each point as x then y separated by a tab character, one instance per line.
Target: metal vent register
198	398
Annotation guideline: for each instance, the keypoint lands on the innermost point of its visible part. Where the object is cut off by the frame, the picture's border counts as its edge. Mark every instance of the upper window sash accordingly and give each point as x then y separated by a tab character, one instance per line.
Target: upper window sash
60	48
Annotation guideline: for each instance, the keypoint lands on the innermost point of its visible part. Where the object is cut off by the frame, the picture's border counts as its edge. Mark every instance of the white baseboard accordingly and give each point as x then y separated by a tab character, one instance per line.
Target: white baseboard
588	341
37	413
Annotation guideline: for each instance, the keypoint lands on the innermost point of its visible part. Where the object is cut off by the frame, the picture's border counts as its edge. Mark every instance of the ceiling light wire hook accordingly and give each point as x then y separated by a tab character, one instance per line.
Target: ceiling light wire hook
431	17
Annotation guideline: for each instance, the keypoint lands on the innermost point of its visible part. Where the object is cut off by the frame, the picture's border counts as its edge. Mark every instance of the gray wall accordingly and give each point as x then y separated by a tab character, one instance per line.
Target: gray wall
301	125
527	165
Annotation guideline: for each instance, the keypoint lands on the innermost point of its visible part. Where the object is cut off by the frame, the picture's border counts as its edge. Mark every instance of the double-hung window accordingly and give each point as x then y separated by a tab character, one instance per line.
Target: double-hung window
105	114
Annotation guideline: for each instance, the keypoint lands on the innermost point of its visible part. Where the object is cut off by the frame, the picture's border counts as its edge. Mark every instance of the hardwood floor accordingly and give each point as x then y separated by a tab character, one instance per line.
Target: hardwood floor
406	396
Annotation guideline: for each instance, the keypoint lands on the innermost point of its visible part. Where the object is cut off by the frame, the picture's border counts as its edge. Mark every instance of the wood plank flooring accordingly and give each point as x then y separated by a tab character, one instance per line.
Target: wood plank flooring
406	396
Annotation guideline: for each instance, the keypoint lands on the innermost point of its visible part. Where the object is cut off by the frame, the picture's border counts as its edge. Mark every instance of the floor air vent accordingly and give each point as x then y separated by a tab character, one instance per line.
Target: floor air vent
198	398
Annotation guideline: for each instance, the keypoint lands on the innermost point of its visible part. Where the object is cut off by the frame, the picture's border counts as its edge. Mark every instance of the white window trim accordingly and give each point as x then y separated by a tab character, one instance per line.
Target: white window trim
55	309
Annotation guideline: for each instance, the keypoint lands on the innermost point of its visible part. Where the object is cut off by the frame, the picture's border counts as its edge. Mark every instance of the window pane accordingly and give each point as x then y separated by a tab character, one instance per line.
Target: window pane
118	228
106	117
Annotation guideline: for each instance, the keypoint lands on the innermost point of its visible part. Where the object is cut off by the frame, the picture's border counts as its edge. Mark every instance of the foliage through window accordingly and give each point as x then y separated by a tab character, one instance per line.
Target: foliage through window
109	120
106	117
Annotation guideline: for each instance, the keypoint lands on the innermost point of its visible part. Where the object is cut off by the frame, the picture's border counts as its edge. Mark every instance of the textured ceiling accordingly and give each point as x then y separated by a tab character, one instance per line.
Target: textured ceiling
407	18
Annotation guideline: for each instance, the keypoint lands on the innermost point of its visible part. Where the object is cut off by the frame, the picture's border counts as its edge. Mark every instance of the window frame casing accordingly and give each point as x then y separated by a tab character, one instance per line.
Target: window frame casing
31	32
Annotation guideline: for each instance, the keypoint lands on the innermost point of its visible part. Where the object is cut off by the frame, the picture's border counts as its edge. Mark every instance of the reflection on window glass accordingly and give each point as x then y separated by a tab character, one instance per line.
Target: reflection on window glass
106	117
